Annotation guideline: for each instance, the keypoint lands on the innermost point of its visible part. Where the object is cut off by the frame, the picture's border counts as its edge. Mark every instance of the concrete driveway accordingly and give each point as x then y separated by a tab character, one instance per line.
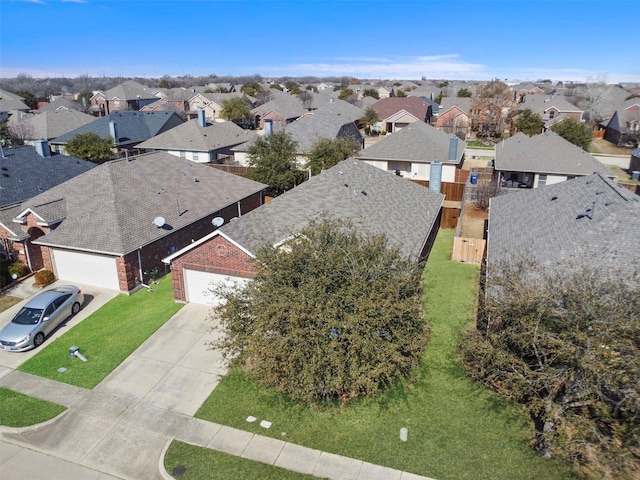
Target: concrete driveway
94	298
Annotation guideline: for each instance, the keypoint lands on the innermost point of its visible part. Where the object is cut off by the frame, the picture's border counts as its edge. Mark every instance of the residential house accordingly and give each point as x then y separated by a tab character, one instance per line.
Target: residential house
454	116
623	129
126	128
59	104
212	104
375	201
129	95
588	217
412	151
521	90
47	124
634	163
199	141
551	108
26	172
10	103
398	112
281	110
112	225
531	162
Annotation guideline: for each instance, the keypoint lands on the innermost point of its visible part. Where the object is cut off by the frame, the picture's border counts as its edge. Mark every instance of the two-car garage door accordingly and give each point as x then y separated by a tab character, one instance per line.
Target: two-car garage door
85	268
198	286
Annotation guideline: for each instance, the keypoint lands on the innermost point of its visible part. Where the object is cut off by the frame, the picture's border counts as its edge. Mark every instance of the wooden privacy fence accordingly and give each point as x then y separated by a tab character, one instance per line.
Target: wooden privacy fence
468	250
451	191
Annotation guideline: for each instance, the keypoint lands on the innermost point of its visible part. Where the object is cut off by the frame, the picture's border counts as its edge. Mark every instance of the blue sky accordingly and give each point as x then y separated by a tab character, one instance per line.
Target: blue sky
466	40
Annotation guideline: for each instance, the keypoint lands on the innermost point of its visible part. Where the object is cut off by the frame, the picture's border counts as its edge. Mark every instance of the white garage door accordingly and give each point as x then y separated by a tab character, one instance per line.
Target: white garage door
96	270
198	286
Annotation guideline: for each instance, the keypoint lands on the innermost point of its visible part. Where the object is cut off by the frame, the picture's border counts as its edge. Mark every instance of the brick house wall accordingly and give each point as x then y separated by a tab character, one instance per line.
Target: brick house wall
217	255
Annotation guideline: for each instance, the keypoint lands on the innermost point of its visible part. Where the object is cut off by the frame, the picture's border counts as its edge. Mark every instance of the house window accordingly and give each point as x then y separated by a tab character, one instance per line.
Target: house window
195	156
116	103
182	154
542	180
552	113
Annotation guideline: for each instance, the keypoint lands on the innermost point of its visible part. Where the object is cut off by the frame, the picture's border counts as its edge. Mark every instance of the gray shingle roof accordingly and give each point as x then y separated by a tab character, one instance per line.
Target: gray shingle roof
539	103
111	207
533	222
60	104
378	202
306	131
417	142
284	104
129	90
132	127
24	173
547	153
192	137
463	103
10	101
51	124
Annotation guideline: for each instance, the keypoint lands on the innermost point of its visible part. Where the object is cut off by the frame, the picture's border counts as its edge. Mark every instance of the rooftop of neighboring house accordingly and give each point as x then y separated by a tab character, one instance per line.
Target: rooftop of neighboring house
377	202
191	136
132	127
26	173
129	90
284	104
111	207
463	103
547	153
540	103
311	127
589	217
60	103
51	124
387	107
417	142
10	101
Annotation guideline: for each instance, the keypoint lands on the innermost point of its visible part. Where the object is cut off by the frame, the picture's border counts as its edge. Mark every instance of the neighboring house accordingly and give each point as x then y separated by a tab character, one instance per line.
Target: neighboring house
127	129
454	116
398	112
550	108
281	110
623	129
487	117
48	124
212	104
411	152
521	90
111	224
61	103
9	103
129	95
26	172
634	163
199	141
545	159
376	201
588	217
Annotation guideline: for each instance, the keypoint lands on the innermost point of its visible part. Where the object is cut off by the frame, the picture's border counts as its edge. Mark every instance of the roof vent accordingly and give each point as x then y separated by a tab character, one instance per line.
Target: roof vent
608	203
195	180
590	181
555	197
599	192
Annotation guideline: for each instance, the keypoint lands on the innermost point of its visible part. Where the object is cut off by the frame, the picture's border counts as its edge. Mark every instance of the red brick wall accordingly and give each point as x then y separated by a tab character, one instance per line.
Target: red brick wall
216	255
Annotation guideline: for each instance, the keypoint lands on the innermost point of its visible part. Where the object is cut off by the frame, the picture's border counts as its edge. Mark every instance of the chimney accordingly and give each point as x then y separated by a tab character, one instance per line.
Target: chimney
268	127
113	131
202	121
435	176
42	148
453	148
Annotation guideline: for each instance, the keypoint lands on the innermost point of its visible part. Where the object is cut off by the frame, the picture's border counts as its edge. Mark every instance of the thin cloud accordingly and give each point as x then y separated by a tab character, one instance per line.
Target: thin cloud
73	1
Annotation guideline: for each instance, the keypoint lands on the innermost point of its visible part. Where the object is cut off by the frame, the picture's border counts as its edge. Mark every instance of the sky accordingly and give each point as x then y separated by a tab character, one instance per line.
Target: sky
513	40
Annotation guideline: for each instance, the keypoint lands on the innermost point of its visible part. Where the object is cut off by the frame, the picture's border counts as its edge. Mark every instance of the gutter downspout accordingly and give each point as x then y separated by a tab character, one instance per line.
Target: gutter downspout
26	249
140	270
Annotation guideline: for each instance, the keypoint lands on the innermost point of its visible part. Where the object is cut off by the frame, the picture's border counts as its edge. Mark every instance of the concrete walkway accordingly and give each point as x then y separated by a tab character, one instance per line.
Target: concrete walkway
122	428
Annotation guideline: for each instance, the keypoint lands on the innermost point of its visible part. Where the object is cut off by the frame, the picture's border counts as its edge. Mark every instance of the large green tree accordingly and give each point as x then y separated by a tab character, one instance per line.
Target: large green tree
90	146
576	132
528	122
331	314
236	108
327	152
565	342
253	89
29	98
273	161
370	118
371	92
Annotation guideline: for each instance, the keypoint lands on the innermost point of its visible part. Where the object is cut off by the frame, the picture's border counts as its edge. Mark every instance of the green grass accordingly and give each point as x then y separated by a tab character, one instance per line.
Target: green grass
480	144
622	175
205	463
18	410
106	337
457	428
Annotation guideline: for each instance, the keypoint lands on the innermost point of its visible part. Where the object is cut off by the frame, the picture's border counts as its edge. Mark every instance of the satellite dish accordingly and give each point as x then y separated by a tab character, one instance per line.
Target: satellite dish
159	222
217	221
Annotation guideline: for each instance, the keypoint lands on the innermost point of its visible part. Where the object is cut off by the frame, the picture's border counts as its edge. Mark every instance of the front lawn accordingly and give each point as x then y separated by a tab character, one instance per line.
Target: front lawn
18	410
457	429
106	337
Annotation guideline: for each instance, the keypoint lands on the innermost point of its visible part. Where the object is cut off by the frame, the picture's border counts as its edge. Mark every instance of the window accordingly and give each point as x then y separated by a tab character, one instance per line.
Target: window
542	180
182	154
552	113
116	103
195	156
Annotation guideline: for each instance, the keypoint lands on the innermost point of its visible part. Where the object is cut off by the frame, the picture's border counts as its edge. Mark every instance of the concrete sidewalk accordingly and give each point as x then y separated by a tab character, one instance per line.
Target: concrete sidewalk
122	428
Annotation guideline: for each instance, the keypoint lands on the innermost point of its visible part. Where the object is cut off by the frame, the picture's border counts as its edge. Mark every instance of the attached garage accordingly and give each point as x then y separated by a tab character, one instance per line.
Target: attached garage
85	268
198	286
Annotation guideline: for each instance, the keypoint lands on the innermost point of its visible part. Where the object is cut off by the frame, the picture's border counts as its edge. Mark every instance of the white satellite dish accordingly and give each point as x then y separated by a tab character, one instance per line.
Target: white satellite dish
159	222
217	221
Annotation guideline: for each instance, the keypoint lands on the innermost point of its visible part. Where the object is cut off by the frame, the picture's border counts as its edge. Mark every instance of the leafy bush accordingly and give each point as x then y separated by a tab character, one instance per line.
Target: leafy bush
44	277
18	269
565	343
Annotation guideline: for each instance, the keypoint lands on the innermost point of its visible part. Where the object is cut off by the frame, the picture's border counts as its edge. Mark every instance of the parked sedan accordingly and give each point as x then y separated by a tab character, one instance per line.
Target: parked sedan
39	317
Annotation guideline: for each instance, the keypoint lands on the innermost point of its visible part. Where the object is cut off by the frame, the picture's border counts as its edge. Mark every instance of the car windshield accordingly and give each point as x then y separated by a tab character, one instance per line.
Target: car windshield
28	316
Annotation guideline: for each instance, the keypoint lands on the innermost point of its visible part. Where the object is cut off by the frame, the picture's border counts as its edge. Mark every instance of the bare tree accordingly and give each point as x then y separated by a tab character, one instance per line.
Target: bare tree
21	131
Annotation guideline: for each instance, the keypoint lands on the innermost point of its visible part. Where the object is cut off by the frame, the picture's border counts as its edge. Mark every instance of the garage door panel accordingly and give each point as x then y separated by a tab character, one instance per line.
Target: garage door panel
85	268
199	285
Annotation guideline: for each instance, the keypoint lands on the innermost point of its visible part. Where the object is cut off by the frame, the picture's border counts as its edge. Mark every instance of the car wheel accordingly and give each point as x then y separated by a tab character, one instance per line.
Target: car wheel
75	308
38	339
